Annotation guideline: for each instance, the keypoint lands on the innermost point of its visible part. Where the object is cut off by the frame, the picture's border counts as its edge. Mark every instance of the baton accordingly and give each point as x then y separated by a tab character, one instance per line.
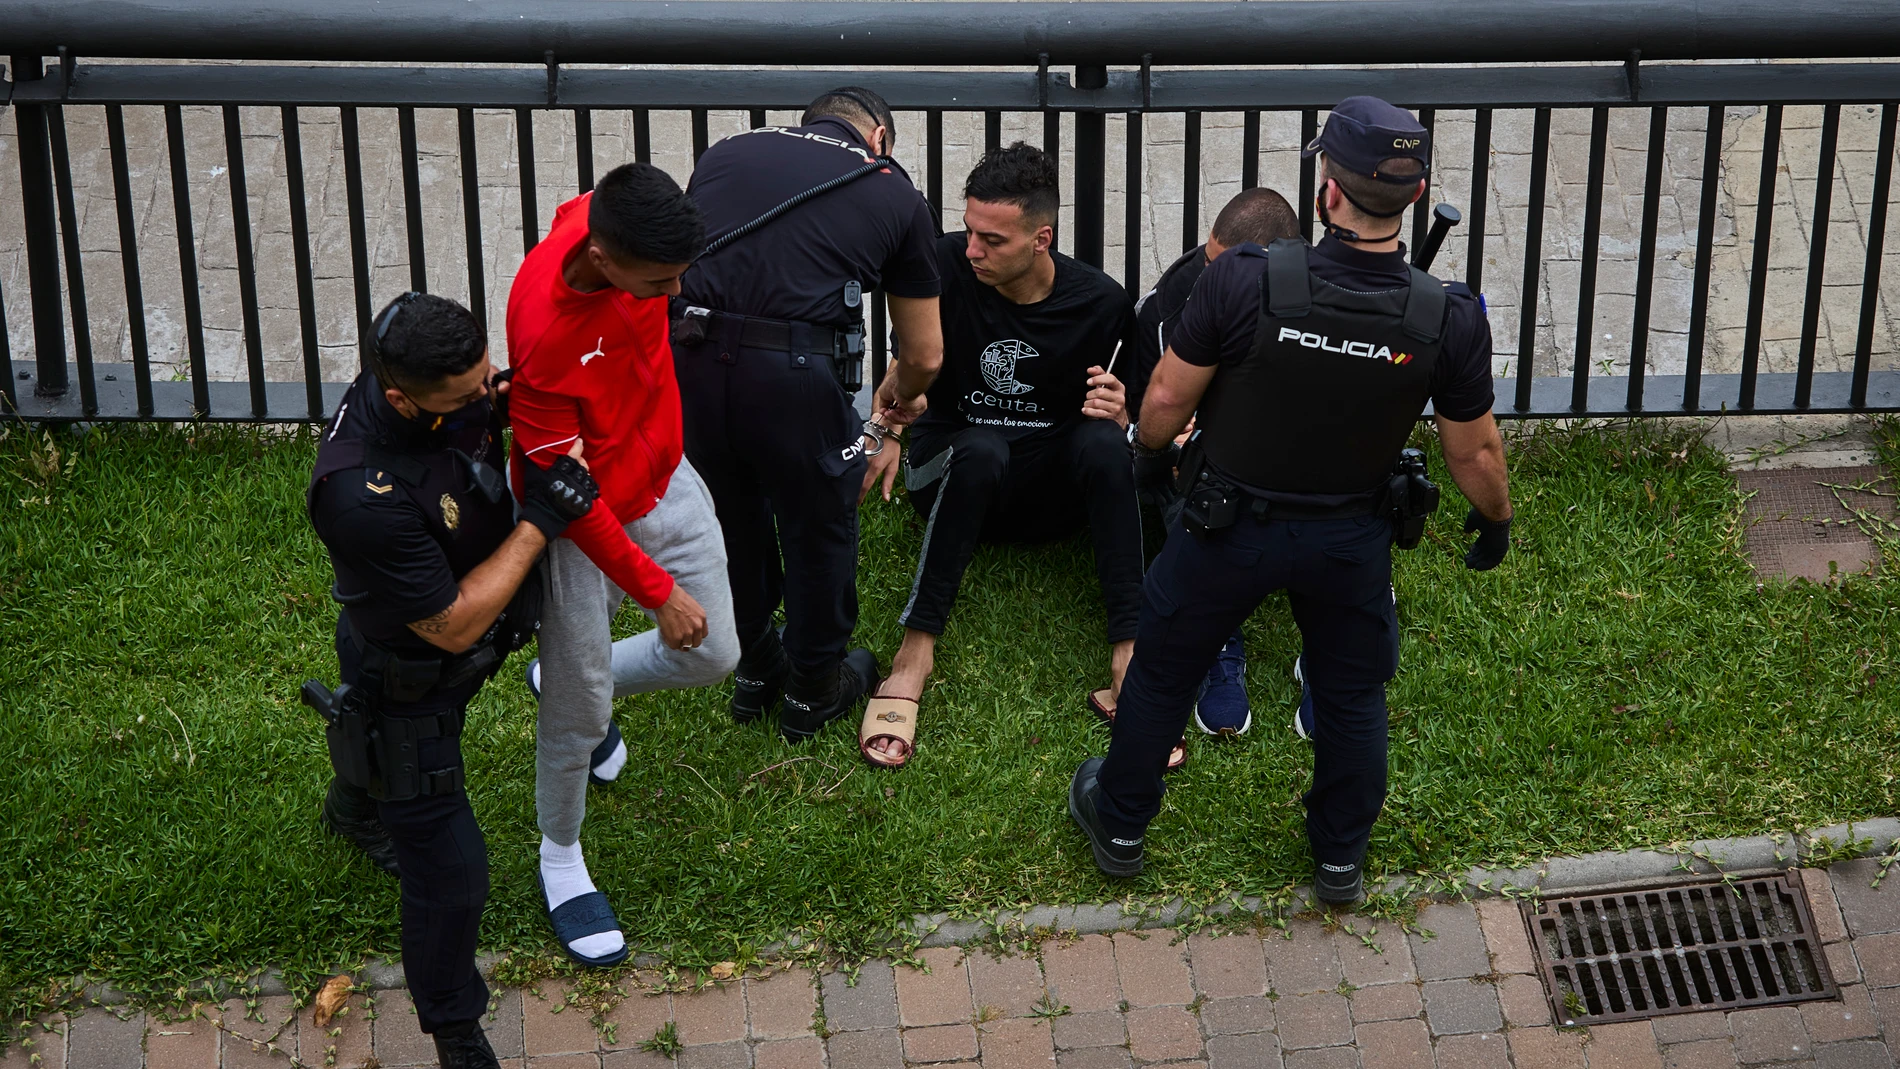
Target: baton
1444	217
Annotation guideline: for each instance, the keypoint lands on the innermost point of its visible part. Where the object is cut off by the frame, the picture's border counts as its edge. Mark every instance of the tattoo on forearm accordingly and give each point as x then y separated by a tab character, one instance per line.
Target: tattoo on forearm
434	625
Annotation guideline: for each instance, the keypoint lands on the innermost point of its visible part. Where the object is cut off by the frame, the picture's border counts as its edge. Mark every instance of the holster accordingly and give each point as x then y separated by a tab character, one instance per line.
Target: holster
1411	497
379	753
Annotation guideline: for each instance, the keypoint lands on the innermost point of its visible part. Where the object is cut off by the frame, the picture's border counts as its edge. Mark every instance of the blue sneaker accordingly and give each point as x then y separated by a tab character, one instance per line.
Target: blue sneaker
1222	707
1303	716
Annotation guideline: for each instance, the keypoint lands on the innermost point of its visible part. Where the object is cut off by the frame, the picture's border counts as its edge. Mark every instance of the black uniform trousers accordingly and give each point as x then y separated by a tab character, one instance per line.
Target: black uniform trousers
1337	575
444	864
776	439
974	485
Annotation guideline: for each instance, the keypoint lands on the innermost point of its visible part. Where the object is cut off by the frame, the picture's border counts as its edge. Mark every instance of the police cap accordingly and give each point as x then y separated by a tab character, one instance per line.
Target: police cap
1363	132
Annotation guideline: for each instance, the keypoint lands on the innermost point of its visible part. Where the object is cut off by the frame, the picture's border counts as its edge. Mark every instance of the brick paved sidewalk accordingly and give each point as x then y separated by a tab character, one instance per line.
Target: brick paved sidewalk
1308	999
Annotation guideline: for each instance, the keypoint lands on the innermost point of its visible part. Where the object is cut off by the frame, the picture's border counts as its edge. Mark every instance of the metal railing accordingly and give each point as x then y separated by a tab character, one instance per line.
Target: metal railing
1088	60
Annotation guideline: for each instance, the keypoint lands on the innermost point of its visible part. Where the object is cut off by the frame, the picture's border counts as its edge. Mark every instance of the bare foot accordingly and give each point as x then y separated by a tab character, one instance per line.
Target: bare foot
1118	657
910	670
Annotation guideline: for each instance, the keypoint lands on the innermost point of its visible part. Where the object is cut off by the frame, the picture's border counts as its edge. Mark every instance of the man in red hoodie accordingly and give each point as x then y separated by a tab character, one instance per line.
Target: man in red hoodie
587	342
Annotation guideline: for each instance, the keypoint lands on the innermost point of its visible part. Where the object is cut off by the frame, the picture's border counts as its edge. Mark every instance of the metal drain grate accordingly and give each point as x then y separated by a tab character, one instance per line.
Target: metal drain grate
1635	954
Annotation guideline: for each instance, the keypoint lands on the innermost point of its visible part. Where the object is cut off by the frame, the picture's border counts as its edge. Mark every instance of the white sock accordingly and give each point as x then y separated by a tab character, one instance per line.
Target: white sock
565	873
610	768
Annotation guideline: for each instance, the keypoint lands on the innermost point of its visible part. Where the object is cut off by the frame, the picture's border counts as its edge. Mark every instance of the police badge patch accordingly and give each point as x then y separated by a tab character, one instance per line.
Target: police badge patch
451	513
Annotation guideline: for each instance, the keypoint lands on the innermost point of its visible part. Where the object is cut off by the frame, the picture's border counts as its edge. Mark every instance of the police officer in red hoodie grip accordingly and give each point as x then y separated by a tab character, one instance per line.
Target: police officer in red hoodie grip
803	222
1307	370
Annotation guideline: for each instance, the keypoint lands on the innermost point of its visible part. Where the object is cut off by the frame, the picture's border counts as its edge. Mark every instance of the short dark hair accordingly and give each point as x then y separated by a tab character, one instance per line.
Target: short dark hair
854	104
640	213
1259	215
1372	196
1020	174
425	339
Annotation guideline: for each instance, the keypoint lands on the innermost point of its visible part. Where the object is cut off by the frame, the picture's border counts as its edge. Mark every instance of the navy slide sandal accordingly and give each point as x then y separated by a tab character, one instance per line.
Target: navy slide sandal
582	916
602	753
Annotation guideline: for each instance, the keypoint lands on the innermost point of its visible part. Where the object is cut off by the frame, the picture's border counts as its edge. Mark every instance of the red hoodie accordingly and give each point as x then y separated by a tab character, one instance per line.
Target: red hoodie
598	367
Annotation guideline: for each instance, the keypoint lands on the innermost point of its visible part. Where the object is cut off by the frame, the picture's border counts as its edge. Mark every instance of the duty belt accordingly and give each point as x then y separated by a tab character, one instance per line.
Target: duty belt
410	679
772	335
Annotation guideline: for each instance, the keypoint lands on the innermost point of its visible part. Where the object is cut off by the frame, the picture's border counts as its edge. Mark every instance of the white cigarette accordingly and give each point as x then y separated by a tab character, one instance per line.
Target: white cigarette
1110	369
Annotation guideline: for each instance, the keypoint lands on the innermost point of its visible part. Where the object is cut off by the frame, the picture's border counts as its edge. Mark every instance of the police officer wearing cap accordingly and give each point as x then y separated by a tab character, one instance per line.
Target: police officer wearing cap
436	575
768	337
1309	369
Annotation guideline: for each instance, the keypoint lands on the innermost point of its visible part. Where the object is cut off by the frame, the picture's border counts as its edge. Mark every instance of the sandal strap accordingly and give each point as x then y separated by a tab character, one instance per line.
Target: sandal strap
582	916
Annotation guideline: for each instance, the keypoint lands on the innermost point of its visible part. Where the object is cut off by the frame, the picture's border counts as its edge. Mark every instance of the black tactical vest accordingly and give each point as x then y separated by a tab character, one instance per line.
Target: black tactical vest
366	451
1336	379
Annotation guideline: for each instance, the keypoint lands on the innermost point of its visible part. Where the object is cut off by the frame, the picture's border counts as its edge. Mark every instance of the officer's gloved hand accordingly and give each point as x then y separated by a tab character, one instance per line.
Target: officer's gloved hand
499	382
1494	540
557	495
1154	475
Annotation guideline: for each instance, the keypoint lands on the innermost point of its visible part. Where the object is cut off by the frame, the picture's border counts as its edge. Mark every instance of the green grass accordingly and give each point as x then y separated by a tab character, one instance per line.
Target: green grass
1622	680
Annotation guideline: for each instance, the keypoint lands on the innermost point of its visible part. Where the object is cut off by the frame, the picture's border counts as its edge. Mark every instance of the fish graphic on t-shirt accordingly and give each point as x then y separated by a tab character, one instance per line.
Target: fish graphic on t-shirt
998	363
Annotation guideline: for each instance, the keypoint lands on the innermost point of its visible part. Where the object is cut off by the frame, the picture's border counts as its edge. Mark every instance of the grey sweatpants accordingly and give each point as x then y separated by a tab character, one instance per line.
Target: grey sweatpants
583	669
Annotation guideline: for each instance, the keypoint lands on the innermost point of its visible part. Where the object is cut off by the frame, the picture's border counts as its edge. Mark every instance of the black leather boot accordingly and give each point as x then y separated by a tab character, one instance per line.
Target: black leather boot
813	702
1339	885
759	679
459	1049
349	813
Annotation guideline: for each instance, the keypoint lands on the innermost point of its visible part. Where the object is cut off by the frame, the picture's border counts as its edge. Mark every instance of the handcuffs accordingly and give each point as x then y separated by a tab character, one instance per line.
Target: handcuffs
877	432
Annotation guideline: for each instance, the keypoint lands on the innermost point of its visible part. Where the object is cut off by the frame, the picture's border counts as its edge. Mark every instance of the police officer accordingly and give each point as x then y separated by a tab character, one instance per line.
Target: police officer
430	562
1308	368
768	337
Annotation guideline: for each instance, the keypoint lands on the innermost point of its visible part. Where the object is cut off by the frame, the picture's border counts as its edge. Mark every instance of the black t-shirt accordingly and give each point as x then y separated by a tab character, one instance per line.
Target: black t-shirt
1022	368
1217	326
406	554
876	231
1155	316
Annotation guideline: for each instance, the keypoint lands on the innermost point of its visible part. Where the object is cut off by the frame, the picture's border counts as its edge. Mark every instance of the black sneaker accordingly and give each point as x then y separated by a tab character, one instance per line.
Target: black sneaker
1115	857
758	680
469	1050
811	704
355	819
1339	885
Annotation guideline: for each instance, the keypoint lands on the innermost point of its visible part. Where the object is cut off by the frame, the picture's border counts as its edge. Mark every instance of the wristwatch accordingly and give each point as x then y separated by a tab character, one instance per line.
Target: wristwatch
1134	443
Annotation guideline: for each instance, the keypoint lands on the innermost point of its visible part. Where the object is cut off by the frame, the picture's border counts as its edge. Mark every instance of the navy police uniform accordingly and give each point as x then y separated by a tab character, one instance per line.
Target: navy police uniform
765	329
1325	360
405	511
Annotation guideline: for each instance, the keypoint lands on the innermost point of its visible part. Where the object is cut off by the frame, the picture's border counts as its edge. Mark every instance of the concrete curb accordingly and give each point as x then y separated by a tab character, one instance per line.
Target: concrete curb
1703	857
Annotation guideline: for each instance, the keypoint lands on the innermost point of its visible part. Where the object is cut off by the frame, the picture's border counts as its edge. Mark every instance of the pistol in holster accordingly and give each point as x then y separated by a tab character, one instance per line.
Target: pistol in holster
1208	502
1411	497
379	753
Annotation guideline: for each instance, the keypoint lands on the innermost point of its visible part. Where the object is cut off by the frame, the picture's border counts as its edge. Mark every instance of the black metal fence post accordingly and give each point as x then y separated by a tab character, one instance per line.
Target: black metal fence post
1091	170
42	235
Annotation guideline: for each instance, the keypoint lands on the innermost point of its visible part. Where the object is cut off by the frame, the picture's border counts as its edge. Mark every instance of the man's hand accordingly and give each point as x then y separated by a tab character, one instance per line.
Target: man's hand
881	467
1154	475
898	411
1494	541
682	621
1107	398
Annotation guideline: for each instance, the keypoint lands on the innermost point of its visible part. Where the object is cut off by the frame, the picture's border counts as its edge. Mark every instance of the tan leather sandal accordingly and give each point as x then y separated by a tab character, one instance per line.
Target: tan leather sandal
888	718
1098	704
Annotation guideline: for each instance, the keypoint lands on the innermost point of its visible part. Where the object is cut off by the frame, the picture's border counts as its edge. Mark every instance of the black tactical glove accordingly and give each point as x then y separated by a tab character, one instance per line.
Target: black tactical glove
558	495
1154	475
1494	540
499	383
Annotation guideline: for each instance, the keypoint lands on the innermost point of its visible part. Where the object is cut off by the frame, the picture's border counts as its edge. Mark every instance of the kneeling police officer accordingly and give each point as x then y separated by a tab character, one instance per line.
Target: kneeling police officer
1308	368
438	584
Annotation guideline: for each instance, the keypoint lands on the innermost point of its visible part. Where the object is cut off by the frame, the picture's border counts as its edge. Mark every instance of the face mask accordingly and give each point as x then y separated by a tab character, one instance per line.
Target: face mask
475	413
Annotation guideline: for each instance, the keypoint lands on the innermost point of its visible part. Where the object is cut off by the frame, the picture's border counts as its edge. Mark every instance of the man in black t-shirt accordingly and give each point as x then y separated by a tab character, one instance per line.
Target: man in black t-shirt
1257	216
1023	439
430	560
768	334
